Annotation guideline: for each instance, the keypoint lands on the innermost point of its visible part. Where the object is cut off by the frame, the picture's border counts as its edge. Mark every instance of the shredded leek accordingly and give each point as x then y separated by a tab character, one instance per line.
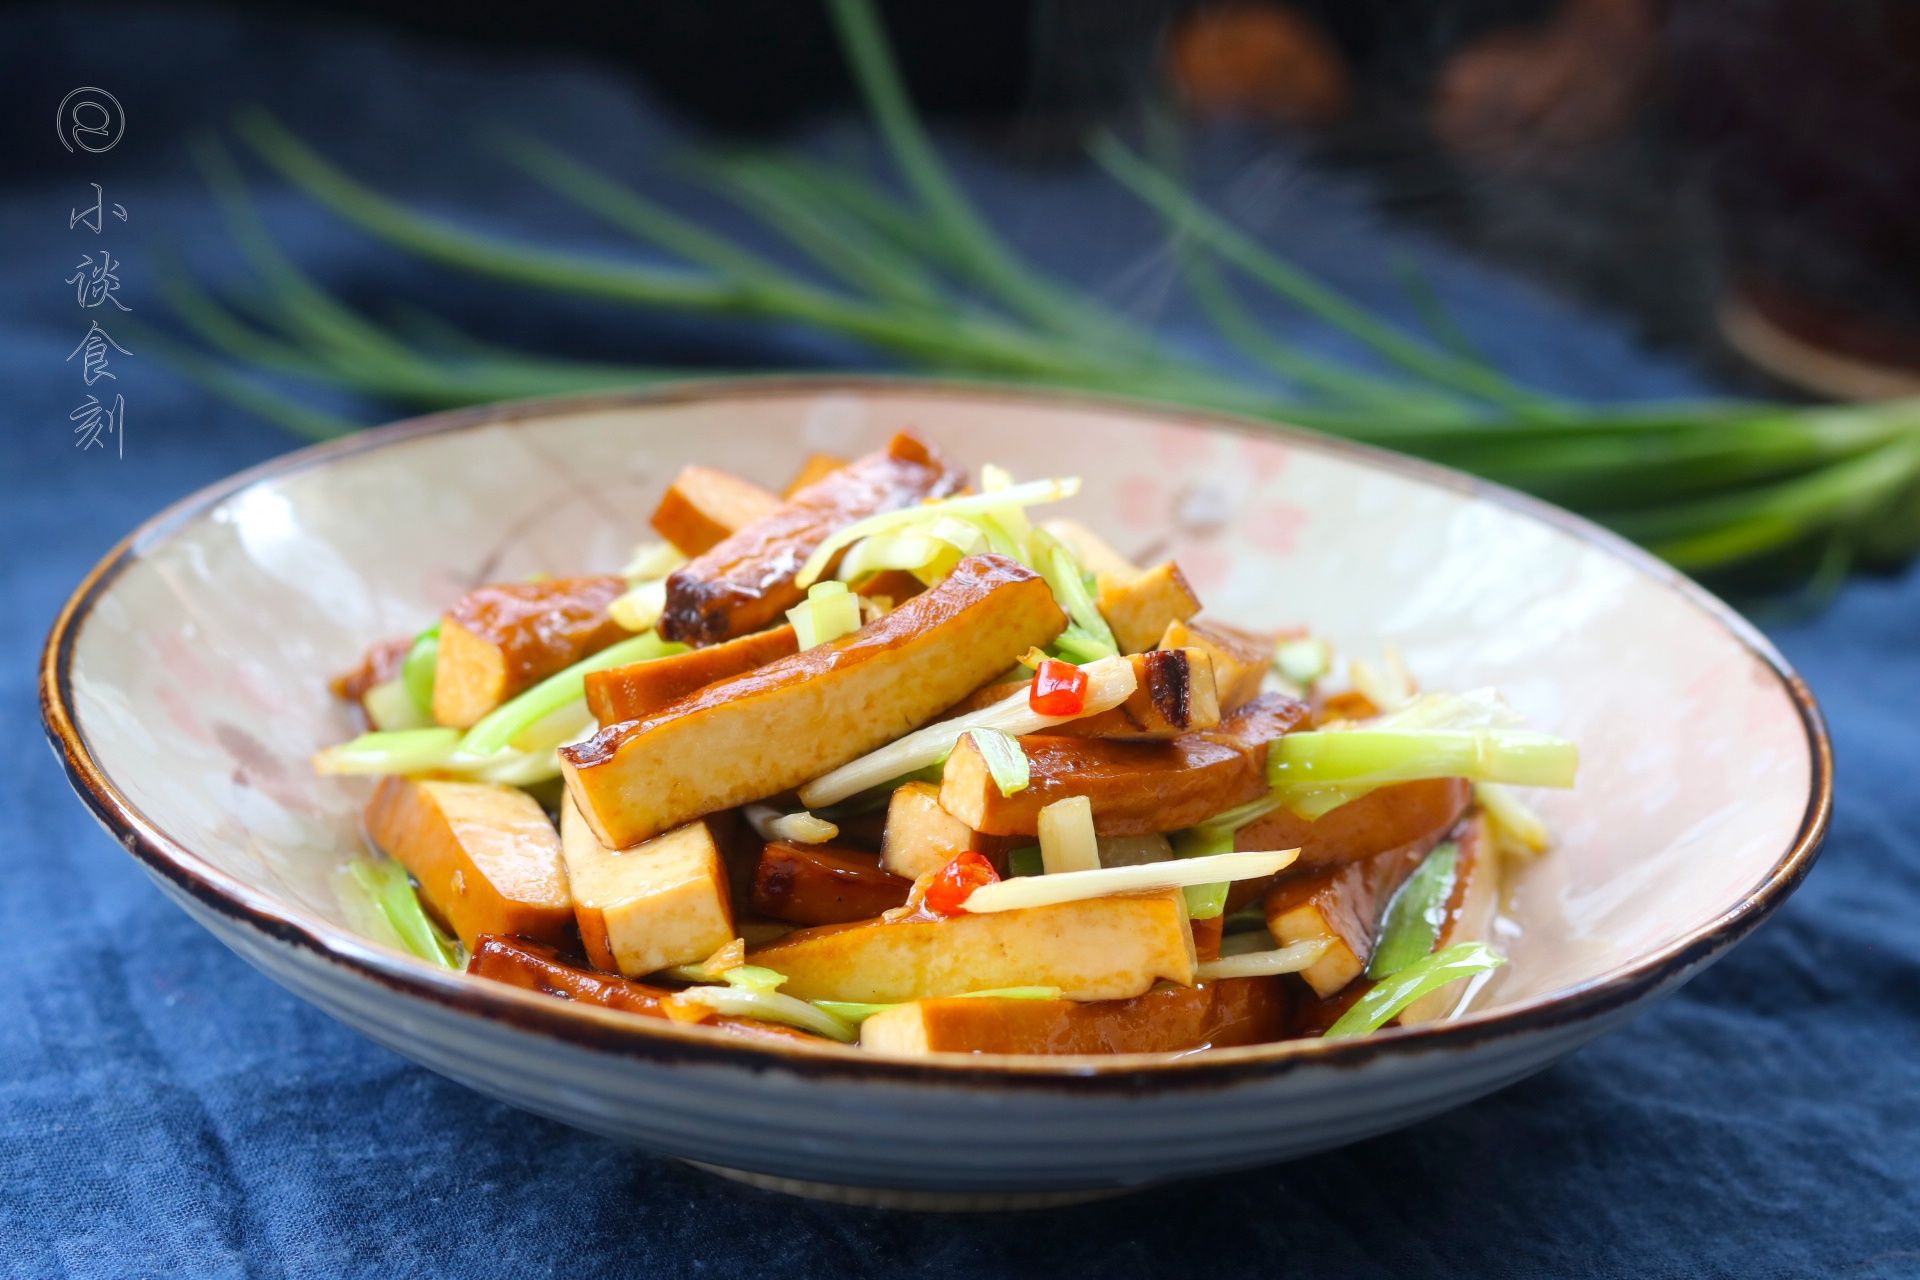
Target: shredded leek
1077	886
1027	860
391	707
857	1013
1374	757
1006	761
1413	919
497	729
1109	683
1392	997
829	612
1515	828
1019	495
1069	585
798	828
1067	841
417	671
639	609
769	1006
1265	963
1304	661
394	751
387	884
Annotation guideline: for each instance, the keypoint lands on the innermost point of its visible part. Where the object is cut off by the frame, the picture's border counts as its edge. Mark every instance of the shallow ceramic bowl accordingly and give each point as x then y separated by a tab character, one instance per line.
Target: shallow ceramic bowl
183	686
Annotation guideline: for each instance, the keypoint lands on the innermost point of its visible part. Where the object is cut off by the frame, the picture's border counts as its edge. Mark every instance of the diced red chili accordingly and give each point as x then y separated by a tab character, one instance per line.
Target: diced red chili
954	883
1059	689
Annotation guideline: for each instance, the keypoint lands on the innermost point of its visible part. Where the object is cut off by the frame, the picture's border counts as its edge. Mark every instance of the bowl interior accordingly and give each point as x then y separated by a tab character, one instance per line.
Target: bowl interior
198	675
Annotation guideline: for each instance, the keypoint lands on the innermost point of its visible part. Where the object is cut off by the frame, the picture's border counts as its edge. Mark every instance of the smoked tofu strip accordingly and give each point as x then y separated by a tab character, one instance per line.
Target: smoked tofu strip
745	582
503	639
647	908
1342	904
1392	817
639	689
816	468
1469	914
1099	949
921	837
534	967
1213	1015
819	884
703	507
486	857
1136	788
1240	660
769	730
1173	693
1140	610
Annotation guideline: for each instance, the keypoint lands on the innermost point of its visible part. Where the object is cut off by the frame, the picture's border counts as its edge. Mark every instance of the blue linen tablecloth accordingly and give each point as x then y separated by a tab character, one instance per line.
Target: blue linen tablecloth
165	1111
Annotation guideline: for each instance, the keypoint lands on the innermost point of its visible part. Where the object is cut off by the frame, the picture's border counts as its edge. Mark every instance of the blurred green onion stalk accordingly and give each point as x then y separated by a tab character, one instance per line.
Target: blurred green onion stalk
1759	493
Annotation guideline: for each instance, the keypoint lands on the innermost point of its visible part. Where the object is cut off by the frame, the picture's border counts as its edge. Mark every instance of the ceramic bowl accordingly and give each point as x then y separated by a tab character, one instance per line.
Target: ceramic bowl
183	687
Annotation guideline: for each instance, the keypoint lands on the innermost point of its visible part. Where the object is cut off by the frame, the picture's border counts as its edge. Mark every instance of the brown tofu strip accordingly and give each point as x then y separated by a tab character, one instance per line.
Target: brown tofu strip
921	837
1172	694
379	664
771	729
1206	936
1393	817
486	857
1240	658
1342	904
1141	609
816	468
1212	1015
745	582
502	639
820	884
532	966
703	507
1136	788
639	689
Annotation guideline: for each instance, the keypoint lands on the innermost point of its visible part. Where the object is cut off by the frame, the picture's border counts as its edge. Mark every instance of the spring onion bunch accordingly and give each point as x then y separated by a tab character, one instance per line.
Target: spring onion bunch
911	273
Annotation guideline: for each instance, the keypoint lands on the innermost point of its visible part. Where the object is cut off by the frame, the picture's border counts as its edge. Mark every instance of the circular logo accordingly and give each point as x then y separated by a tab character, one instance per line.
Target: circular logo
90	119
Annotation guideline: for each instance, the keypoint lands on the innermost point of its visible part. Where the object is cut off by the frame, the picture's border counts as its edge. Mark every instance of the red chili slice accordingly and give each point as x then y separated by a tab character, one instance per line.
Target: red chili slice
1059	689
954	883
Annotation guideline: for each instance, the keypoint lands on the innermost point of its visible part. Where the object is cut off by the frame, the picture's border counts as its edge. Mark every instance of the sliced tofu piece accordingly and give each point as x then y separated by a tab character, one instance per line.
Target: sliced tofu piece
533	966
1469	914
486	857
921	837
816	468
1136	788
1342	904
1172	694
745	582
1095	554
1240	659
1213	1015
639	689
1393	817
652	906
1141	609
502	639
703	507
822	884
770	730
1098	949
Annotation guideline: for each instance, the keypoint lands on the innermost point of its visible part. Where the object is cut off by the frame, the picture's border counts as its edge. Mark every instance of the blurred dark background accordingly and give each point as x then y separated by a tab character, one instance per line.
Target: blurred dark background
1733	175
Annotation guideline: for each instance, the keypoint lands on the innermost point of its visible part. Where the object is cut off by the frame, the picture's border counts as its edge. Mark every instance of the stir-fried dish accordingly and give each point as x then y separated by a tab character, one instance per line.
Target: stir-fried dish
892	758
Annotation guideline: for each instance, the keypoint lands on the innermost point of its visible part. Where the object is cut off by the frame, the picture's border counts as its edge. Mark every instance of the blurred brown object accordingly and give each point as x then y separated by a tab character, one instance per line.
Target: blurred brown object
1262	60
1517	96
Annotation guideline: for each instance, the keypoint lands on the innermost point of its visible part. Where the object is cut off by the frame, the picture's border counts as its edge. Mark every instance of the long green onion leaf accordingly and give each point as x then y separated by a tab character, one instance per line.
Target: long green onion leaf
398	751
1375	757
386	882
1415	915
421	665
1392	997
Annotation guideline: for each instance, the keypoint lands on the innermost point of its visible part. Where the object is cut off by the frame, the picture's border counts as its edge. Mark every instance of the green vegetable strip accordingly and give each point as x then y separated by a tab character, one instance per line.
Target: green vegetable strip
1391	998
1413	918
420	667
1204	901
857	1013
398	751
386	882
498	728
1375	757
1006	761
1062	573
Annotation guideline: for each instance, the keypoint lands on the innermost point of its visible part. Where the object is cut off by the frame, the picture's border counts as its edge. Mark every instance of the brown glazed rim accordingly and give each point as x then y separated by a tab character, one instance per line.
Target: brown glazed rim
606	1031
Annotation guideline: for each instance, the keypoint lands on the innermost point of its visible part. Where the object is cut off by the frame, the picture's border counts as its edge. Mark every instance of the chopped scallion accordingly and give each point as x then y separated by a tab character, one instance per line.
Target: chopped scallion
1378	756
417	671
1392	997
1413	919
387	884
829	612
1019	495
1006	760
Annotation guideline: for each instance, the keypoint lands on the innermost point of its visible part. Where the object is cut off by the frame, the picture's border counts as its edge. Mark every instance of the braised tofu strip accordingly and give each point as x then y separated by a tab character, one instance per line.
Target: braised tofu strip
745	582
502	639
639	689
818	884
1240	660
769	730
1342	904
704	507
1212	1015
1135	788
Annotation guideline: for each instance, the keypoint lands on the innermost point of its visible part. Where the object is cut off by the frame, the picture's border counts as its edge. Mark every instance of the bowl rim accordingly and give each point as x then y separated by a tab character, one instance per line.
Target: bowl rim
607	1031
